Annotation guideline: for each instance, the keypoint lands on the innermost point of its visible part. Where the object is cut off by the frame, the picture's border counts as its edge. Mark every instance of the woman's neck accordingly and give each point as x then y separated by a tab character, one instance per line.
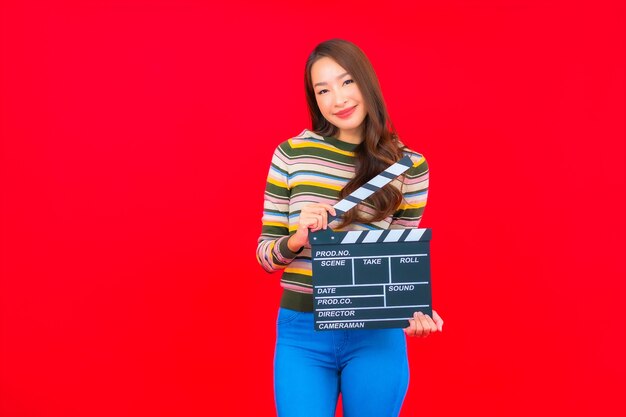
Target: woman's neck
354	136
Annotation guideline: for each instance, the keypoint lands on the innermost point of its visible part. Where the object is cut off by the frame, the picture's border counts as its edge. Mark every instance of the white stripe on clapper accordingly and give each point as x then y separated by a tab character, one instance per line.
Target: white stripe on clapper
351	237
394	235
414	235
372	236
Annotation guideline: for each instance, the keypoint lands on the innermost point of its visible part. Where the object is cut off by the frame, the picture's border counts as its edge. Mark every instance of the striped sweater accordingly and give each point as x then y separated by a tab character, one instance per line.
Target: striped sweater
308	169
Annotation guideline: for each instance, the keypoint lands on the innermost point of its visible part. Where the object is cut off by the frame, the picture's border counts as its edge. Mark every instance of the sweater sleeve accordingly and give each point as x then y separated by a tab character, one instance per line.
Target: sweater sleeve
414	193
272	251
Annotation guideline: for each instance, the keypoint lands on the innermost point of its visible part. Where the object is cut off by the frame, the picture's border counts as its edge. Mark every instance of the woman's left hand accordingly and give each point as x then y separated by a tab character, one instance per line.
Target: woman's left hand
421	325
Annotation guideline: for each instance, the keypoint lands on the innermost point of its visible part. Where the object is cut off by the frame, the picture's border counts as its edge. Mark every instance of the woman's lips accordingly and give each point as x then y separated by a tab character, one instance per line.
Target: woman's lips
344	114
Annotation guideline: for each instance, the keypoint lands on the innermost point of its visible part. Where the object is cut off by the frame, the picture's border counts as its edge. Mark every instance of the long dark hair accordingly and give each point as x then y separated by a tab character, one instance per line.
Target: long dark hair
380	147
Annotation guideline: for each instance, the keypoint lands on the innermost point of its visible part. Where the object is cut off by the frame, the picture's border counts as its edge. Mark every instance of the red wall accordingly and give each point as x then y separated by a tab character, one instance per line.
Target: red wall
136	137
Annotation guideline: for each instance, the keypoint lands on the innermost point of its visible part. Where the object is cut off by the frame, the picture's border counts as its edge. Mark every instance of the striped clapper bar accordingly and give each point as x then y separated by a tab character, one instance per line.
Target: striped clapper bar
370	279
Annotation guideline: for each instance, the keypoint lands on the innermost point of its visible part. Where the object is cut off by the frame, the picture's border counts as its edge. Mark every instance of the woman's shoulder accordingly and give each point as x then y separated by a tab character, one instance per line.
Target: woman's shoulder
419	161
306	137
307	134
302	139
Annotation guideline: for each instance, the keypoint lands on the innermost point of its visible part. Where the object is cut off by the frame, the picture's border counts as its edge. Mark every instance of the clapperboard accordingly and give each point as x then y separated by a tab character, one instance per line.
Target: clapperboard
370	279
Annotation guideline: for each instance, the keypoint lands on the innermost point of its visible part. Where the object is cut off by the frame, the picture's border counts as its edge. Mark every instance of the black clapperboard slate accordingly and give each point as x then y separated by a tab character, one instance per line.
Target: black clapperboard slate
370	279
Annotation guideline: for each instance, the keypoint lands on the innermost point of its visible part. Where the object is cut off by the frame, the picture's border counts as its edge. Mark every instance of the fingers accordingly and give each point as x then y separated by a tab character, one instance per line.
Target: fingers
315	216
412	329
319	209
421	325
320	221
328	208
438	321
423	322
432	327
415	328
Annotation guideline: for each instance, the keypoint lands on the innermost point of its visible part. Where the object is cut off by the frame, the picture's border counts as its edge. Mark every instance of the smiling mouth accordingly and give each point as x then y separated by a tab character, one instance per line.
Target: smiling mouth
345	113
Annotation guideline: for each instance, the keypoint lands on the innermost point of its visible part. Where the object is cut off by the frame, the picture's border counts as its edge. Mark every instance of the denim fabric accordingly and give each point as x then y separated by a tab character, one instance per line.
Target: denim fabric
311	368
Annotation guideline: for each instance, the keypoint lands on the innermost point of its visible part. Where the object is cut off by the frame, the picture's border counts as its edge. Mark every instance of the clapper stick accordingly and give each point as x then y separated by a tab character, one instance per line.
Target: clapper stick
370	187
370	279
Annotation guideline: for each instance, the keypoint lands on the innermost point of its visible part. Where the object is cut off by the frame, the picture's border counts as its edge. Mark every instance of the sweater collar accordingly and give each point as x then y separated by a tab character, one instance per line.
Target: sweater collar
344	146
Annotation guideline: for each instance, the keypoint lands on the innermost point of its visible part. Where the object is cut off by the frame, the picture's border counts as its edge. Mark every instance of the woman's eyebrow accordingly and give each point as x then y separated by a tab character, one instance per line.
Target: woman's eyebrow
325	83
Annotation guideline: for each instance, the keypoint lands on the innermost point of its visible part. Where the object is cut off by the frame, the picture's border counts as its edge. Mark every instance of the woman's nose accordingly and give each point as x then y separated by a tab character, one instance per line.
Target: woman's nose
340	99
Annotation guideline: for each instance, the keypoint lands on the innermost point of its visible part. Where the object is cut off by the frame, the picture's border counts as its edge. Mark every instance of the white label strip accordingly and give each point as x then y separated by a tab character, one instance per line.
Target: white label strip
396	169
344	205
372	236
394	235
362	193
414	235
351	237
379	181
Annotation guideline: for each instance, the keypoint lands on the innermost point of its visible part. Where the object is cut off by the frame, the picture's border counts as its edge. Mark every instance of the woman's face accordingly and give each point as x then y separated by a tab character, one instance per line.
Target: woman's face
339	98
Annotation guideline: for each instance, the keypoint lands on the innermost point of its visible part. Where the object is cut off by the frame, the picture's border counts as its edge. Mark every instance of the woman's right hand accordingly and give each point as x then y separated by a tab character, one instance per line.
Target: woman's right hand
313	217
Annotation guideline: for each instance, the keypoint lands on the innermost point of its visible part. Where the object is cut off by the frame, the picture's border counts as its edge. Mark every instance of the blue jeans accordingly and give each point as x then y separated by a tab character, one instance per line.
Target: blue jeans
368	367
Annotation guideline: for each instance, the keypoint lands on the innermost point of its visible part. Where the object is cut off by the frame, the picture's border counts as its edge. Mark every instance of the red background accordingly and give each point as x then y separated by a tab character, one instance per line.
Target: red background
136	139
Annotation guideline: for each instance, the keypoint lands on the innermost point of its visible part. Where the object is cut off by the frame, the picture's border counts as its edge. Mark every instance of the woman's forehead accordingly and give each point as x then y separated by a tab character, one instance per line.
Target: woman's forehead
326	70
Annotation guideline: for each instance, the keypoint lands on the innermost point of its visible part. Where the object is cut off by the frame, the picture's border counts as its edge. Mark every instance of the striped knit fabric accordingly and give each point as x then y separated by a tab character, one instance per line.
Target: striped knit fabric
313	169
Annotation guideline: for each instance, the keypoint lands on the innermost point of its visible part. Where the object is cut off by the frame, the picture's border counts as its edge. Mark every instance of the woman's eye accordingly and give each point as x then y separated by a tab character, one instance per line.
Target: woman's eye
322	91
348	82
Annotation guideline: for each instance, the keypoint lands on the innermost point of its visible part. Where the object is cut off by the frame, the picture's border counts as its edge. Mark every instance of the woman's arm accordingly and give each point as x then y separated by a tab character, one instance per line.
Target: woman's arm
276	247
272	252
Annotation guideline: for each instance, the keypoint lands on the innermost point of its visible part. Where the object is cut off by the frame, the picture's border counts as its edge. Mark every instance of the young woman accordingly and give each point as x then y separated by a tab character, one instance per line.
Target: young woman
351	141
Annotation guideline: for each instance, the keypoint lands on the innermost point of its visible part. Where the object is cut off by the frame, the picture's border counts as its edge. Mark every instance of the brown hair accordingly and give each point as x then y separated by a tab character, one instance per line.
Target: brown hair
380	147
